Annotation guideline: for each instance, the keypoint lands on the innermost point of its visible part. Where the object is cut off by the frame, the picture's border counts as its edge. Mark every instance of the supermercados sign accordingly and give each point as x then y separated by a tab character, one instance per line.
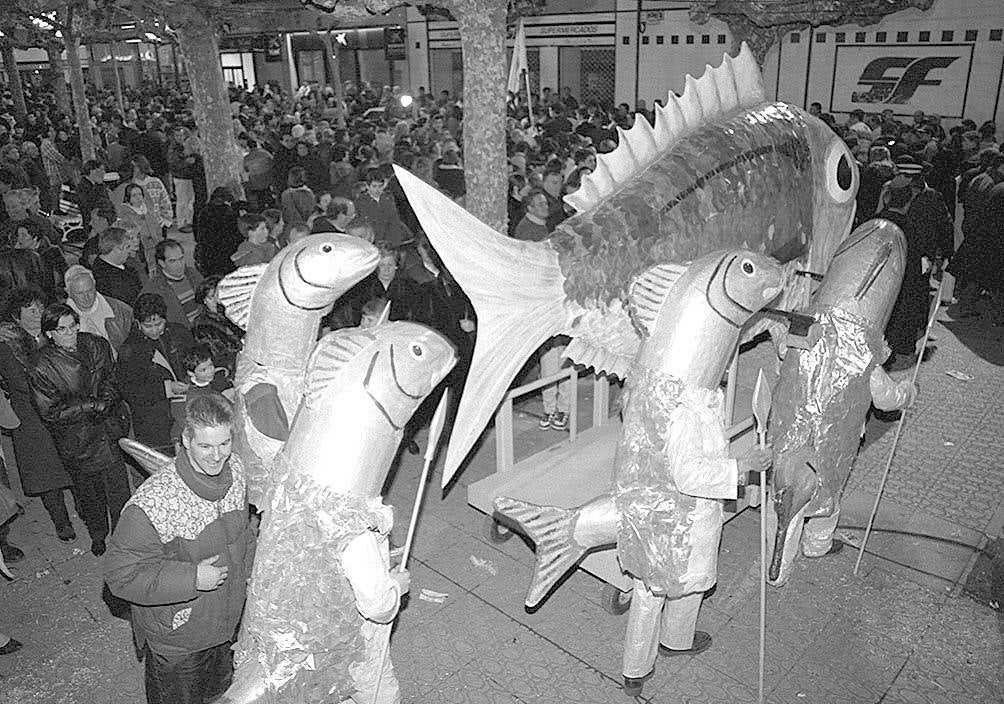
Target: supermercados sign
903	78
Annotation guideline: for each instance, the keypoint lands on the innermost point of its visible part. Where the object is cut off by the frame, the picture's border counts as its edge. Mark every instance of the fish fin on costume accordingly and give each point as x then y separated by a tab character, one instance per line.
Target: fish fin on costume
552	531
235	291
517	289
733	85
265	411
331	354
149	459
649	290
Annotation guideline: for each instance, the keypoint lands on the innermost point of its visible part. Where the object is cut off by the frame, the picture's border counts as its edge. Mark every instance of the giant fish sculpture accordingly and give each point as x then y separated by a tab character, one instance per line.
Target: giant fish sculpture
722	167
672	469
823	393
304	636
281	304
692	317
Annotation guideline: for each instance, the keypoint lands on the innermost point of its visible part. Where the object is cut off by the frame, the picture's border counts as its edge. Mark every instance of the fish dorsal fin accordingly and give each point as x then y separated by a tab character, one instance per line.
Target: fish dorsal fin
649	290
733	85
331	354
235	290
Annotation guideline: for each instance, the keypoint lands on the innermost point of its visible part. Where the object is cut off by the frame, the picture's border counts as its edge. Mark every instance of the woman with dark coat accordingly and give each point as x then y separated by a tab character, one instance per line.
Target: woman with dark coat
211	326
151	371
216	234
74	392
38	462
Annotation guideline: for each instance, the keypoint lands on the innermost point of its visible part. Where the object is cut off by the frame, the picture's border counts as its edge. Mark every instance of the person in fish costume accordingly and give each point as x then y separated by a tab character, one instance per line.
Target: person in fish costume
672	468
721	168
280	305
823	393
322	599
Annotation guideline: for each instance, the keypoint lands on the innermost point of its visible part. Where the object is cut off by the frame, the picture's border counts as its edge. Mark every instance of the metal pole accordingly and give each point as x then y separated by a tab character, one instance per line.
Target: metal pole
899	428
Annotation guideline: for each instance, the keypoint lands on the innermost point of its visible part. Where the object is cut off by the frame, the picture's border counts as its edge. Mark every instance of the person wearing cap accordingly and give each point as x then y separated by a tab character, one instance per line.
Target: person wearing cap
920	213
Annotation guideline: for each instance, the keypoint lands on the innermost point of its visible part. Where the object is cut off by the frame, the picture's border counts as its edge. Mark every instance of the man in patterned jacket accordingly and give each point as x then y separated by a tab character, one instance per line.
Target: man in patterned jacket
181	554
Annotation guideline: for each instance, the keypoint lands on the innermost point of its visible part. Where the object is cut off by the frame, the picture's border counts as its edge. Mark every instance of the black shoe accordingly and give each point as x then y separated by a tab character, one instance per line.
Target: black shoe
836	547
98	548
412	448
66	533
10	553
634	685
702	641
12	646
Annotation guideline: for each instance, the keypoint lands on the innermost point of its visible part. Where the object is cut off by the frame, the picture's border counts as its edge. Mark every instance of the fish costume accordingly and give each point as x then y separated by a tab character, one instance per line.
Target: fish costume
280	305
672	468
321	600
722	168
823	393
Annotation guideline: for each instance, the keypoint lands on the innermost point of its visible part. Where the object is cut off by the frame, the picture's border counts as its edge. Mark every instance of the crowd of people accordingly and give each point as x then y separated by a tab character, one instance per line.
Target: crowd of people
110	328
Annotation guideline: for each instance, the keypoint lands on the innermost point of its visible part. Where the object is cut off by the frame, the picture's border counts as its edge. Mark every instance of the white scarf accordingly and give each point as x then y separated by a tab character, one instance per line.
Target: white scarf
140	210
93	320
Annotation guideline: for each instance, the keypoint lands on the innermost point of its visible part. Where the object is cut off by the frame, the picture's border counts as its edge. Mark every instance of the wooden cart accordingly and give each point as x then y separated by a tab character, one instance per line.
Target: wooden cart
580	467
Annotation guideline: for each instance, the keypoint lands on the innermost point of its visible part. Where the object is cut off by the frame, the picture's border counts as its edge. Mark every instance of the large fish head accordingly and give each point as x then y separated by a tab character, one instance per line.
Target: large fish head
316	270
835	185
866	272
408	361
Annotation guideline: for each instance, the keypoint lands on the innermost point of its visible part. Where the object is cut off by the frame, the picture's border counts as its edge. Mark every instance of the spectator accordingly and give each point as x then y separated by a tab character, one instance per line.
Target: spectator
175	283
111	274
99	315
378	208
339	213
216	233
212	327
29	236
75	392
297	201
136	212
533	226
258	248
151	372
198	505
38	463
92	192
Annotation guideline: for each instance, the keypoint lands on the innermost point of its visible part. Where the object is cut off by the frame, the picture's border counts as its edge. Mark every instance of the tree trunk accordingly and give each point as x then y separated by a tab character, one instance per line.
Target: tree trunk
200	49
55	53
87	145
16	89
482	36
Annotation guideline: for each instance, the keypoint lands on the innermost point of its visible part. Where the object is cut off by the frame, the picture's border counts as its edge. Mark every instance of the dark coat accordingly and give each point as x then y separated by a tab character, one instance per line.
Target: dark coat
142	381
216	238
38	461
224	338
74	392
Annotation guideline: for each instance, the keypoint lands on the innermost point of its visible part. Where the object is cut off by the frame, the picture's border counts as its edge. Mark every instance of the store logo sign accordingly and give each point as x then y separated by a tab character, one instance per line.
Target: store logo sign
895	79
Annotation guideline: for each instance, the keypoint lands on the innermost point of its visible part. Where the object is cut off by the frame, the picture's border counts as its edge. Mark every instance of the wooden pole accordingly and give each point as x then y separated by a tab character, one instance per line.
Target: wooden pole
761	411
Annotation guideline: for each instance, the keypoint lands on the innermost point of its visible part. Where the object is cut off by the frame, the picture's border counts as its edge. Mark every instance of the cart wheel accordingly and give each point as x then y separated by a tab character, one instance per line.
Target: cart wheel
496	532
614	601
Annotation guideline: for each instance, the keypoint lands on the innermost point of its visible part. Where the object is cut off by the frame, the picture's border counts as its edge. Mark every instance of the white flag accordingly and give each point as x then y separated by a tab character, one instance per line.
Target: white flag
518	63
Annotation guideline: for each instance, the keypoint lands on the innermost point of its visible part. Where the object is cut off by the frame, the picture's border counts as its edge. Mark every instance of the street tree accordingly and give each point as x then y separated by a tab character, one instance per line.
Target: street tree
762	23
483	26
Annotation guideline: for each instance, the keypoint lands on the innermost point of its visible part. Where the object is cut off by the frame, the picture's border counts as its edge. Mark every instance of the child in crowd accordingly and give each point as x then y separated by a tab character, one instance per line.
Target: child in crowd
203	378
273	216
298	232
258	247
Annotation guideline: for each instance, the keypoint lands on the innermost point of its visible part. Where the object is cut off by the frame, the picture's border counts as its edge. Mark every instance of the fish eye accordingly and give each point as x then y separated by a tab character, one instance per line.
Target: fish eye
841	173
417	350
326	248
748	267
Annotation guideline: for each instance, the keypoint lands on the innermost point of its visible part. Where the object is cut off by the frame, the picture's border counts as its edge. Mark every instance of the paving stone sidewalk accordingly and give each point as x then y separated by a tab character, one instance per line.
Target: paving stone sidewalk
921	623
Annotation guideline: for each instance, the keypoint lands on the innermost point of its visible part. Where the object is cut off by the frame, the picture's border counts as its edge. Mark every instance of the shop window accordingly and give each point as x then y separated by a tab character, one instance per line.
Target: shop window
881	37
995	34
947	36
971	35
660	39
841	37
924	37
859	37
821	38
794	37
902	37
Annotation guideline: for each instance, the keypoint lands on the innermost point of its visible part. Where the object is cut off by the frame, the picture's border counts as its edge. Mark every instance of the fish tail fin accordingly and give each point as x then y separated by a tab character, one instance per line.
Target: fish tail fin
794	484
517	290
552	530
